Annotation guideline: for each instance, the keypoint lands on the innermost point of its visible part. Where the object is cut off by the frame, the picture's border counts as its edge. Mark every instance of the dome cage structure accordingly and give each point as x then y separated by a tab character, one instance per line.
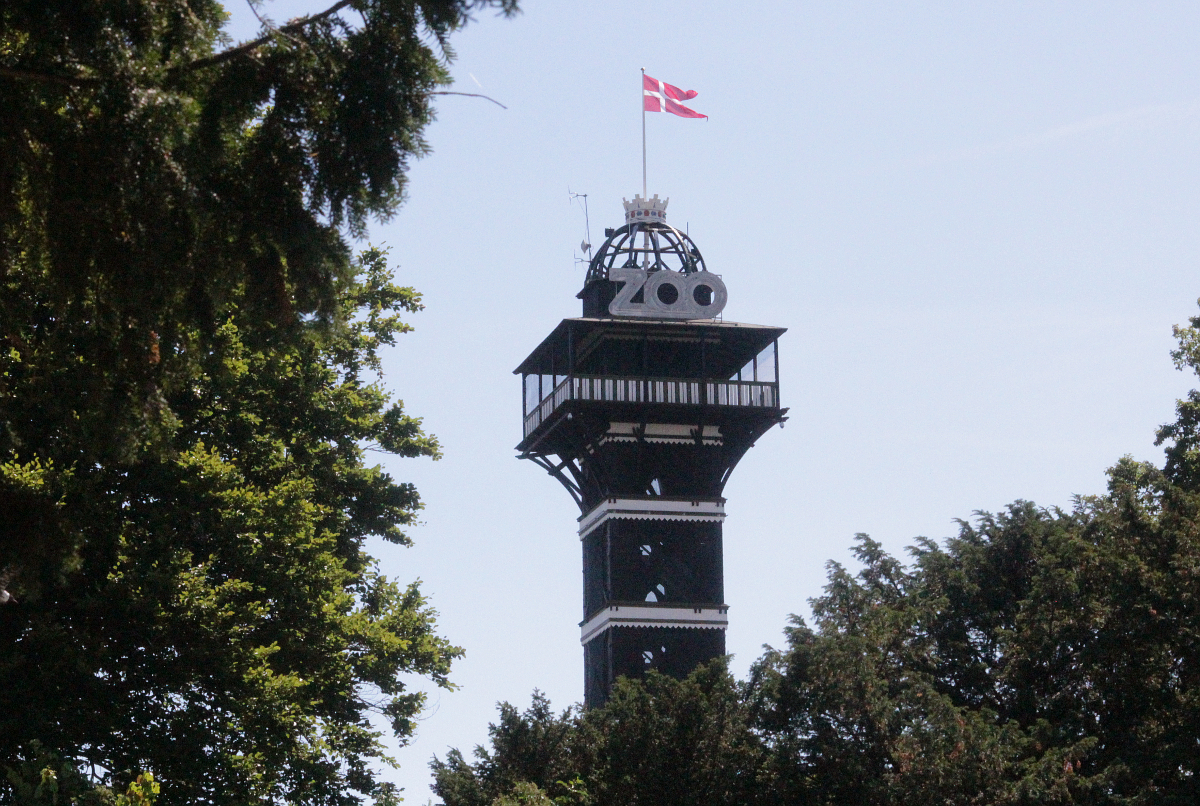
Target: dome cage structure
649	246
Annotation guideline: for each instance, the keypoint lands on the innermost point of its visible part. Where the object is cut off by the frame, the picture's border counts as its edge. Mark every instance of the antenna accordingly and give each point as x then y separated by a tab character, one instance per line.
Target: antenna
586	246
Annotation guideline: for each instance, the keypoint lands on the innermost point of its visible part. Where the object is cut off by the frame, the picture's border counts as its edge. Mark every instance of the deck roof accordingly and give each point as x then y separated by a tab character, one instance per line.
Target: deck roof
728	345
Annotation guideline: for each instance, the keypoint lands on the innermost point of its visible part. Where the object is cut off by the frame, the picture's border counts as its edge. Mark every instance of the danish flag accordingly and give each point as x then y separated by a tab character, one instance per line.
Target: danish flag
659	96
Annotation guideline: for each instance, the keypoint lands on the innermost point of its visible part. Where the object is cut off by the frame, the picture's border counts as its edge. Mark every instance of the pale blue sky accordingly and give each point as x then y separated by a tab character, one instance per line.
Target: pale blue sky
978	220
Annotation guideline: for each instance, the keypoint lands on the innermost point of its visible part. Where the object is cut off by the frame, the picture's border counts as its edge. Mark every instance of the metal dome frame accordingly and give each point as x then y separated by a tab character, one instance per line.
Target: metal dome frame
663	247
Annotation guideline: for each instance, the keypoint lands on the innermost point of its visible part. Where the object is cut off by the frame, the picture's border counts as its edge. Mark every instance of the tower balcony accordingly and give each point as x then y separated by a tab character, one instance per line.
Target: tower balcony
646	370
638	390
619	408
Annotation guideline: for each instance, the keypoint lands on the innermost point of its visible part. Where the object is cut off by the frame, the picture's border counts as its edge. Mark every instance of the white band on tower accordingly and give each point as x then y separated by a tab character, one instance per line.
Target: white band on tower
651	509
703	617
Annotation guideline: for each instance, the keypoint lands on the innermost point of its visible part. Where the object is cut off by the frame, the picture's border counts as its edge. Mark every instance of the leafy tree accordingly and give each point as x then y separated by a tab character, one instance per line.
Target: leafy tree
224	626
46	780
151	176
524	794
188	383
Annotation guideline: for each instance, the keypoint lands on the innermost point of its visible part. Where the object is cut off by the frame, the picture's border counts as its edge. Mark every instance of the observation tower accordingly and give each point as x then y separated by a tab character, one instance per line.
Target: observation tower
641	408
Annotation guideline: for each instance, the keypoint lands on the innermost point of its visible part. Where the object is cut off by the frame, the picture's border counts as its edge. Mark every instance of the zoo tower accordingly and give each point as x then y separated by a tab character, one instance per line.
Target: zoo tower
642	408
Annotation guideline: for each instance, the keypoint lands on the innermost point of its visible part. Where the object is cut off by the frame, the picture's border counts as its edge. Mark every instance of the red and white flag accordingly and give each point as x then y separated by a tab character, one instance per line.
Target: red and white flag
659	96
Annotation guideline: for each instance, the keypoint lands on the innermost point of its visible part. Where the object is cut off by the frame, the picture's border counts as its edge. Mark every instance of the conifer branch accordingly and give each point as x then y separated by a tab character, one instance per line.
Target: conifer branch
470	95
293	26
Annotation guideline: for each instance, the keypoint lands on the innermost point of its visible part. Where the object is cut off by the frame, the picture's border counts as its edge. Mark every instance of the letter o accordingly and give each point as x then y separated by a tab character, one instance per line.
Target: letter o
720	295
675	279
685	294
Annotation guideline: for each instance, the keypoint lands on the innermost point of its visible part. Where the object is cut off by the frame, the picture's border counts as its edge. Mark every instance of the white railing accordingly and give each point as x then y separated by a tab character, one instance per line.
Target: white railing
653	390
742	393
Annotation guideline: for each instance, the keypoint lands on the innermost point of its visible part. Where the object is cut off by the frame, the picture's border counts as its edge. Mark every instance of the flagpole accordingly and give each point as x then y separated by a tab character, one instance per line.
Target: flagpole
642	92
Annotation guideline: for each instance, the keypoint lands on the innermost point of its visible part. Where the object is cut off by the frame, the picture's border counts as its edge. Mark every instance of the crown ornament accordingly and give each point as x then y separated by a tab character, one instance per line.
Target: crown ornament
642	210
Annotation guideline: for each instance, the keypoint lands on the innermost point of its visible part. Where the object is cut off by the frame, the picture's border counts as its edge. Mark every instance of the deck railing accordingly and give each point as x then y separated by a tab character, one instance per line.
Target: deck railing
654	390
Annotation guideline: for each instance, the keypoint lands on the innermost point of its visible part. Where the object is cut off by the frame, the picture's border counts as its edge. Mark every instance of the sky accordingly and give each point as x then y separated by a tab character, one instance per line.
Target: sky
978	222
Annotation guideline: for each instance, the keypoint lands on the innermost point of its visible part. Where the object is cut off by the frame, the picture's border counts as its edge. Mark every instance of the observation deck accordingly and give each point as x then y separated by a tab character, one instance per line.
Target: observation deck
595	384
683	391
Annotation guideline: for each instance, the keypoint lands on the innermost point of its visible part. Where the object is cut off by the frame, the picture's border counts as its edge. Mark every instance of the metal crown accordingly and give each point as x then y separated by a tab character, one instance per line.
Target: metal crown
642	210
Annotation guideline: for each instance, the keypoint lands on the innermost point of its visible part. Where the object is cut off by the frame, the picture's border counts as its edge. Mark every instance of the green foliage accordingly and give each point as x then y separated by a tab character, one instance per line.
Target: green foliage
524	794
672	742
142	792
526	747
47	780
152	184
1038	657
657	740
223	625
189	359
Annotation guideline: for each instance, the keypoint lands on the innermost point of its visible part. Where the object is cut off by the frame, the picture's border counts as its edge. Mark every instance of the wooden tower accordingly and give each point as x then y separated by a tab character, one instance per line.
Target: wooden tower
642	408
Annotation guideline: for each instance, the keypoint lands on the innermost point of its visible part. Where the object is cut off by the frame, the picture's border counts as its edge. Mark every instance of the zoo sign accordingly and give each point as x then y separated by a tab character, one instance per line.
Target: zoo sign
667	294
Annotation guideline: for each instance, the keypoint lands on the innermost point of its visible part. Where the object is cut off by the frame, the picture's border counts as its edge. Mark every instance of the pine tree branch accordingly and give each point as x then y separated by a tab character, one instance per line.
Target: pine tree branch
470	95
207	61
82	81
270	26
246	47
217	58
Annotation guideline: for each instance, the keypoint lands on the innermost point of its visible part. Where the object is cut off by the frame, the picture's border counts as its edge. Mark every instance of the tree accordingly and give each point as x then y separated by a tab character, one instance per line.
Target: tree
149	180
188	384
527	748
223	626
656	741
857	710
46	780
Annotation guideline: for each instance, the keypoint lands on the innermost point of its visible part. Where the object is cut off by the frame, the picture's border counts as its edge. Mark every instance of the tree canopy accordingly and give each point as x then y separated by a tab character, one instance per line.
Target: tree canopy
188	386
150	179
1041	656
